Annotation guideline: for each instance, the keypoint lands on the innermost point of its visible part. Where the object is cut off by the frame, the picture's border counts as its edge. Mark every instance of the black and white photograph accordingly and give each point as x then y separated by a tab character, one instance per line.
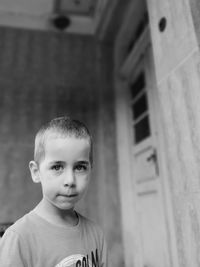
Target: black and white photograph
99	133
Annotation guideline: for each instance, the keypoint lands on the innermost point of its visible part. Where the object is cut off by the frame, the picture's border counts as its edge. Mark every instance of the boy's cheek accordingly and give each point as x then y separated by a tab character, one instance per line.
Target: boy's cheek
84	183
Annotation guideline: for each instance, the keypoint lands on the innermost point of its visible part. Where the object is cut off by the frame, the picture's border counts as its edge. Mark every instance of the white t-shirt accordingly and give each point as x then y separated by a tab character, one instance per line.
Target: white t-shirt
34	242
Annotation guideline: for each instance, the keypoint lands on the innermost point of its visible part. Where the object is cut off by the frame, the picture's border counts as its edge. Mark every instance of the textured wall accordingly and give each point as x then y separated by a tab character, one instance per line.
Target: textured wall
177	61
107	166
41	76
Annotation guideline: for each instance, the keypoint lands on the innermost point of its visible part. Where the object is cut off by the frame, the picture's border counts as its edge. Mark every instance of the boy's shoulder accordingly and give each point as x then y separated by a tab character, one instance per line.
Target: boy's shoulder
22	225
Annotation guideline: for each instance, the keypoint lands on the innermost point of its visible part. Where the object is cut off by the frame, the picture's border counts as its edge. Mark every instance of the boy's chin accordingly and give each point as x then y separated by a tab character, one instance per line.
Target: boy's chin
65	207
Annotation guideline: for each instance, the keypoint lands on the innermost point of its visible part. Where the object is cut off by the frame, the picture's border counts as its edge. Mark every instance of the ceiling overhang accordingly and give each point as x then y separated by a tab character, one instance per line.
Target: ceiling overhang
85	16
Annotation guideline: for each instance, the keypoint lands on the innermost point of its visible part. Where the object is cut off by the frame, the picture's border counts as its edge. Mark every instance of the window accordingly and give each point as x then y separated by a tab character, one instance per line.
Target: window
140	110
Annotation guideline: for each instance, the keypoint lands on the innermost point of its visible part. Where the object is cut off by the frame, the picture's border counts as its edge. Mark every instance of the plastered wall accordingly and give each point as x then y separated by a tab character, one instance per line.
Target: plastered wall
41	76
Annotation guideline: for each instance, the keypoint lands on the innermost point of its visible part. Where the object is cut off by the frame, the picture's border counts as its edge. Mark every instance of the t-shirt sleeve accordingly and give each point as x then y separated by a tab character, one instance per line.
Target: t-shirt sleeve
11	248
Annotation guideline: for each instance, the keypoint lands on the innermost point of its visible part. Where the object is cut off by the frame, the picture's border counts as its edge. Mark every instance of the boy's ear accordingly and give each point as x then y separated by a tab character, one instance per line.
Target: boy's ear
34	169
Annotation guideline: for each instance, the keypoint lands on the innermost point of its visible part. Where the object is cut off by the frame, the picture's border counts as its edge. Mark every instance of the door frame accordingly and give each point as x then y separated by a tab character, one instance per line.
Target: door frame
130	227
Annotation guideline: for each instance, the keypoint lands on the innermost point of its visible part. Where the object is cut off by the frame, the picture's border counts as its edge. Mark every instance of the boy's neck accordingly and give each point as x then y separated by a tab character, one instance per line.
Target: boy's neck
56	216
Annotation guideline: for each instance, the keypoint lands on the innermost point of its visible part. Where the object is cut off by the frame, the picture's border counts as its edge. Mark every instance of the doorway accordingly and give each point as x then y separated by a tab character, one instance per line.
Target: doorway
145	164
141	186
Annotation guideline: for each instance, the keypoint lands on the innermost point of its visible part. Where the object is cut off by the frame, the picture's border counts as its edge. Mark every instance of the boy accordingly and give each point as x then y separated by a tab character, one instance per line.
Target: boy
54	234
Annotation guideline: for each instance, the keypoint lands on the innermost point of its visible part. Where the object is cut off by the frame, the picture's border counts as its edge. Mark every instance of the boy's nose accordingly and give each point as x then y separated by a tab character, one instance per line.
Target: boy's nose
69	178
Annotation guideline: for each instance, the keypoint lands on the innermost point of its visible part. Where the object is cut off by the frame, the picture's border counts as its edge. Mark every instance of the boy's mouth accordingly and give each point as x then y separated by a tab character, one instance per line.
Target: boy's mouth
68	195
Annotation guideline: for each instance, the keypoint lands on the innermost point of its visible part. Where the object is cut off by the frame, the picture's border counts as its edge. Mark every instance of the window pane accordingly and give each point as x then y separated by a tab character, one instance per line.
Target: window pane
138	85
142	129
140	106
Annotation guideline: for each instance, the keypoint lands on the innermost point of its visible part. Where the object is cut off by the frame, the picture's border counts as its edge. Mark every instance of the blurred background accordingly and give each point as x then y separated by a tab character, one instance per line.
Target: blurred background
129	69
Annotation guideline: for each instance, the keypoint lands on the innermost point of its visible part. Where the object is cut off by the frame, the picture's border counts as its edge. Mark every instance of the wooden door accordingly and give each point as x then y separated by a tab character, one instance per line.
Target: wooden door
145	163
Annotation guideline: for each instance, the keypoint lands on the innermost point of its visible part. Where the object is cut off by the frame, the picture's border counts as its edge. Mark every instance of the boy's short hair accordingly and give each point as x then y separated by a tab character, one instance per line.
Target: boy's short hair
61	127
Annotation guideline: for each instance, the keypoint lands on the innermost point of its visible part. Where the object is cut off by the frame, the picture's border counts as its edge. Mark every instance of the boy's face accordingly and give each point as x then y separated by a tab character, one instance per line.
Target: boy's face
65	171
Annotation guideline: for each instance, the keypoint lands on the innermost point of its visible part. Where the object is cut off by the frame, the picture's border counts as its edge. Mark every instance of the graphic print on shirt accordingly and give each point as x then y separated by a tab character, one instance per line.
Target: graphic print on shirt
79	260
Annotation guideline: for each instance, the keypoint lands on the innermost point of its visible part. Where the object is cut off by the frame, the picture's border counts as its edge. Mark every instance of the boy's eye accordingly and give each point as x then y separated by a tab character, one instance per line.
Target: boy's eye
81	168
57	167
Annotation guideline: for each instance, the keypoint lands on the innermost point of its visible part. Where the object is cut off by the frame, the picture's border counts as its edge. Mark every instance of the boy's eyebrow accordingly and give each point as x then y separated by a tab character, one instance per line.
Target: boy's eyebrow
56	162
62	162
83	162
